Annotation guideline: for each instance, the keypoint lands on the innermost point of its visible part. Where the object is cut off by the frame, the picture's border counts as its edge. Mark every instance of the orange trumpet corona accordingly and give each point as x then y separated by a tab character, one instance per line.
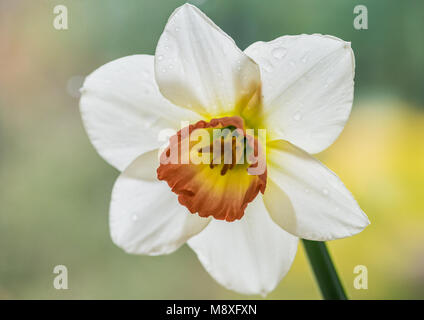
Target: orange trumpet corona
221	186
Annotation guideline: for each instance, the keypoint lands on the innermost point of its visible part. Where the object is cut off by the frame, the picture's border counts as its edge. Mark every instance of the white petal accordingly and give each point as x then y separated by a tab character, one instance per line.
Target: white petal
306	198
198	66
250	255
123	110
307	87
145	215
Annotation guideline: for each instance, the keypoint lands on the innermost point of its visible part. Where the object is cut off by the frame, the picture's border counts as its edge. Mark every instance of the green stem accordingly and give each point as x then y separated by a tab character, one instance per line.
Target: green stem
325	273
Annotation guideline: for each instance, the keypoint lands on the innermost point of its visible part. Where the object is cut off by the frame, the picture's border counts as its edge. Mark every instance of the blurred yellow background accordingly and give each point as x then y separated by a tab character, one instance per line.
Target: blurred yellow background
55	189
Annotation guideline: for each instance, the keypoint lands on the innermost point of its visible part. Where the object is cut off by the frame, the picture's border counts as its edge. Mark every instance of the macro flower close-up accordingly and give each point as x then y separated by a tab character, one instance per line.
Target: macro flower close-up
286	100
211	158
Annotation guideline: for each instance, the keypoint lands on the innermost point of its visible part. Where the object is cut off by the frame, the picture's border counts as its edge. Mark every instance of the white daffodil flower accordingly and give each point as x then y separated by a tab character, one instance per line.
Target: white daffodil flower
244	228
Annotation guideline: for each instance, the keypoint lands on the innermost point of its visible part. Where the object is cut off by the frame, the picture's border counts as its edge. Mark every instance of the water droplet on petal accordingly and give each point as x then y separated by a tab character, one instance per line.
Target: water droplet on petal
325	191
327	82
160	58
267	66
134	217
279	52
224	50
297	116
305	57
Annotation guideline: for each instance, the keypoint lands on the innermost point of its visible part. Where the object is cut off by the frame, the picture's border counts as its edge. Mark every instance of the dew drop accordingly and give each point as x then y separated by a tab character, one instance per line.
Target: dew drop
305	58
134	217
279	52
297	116
224	50
325	191
267	66
327	82
177	29
160	58
307	190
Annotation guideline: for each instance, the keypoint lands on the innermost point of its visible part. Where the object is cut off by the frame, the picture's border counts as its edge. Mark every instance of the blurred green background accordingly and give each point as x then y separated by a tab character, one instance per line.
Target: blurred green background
55	189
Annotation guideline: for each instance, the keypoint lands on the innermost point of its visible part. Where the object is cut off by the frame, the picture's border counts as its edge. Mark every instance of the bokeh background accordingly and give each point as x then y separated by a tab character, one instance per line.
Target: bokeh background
55	189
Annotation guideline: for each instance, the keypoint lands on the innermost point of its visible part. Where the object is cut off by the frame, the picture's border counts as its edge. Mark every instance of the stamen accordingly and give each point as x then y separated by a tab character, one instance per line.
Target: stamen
224	169
222	155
